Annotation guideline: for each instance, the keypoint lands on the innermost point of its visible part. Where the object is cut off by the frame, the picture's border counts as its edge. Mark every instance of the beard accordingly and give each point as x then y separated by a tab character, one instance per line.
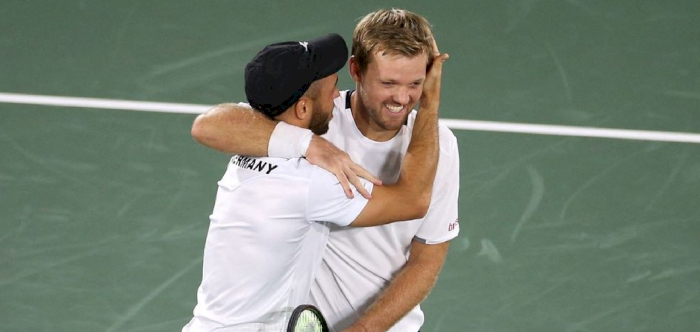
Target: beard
376	114
320	120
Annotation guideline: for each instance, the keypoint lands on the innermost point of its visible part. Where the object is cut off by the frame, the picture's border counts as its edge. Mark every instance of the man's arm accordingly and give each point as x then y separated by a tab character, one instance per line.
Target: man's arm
418	276
409	197
410	287
238	129
234	128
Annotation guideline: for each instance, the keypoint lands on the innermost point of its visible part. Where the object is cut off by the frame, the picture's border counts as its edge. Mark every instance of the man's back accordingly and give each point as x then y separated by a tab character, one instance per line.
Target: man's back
263	247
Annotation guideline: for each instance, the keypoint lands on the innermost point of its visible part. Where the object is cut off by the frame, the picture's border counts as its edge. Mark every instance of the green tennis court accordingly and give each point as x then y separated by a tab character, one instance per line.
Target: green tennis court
103	212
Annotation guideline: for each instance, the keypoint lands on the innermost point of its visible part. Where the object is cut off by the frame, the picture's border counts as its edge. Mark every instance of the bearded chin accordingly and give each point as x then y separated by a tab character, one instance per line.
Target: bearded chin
386	124
320	130
319	126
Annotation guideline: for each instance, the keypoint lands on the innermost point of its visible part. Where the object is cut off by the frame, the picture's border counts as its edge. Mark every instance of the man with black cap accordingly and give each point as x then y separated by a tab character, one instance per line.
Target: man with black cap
268	229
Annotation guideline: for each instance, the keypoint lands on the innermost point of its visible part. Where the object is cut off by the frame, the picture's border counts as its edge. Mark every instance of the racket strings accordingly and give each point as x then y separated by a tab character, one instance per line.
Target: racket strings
308	321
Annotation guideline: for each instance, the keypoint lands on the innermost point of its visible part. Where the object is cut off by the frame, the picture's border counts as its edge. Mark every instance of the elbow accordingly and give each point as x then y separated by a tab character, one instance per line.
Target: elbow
199	130
421	205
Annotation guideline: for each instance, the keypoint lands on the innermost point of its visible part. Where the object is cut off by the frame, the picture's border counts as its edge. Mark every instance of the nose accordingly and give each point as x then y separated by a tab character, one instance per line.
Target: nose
336	93
401	96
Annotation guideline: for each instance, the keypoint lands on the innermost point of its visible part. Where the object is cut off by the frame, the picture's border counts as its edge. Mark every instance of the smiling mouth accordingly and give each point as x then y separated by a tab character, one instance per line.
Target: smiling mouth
394	109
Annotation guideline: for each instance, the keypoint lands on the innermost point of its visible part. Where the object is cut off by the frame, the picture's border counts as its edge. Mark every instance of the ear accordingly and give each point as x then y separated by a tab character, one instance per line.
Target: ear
302	108
354	69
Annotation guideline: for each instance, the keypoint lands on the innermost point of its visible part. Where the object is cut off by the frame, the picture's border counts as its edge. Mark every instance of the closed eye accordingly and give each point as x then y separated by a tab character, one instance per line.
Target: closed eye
417	83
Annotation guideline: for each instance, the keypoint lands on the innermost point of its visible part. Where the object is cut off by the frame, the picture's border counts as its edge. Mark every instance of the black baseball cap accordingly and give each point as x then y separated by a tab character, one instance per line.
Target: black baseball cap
281	73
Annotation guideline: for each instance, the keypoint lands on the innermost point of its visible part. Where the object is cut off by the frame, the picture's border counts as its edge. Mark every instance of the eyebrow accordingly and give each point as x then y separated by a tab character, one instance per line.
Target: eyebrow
420	80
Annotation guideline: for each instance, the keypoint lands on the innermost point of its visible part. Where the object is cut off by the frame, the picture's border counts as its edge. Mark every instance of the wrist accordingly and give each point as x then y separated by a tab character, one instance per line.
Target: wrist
429	105
289	141
362	326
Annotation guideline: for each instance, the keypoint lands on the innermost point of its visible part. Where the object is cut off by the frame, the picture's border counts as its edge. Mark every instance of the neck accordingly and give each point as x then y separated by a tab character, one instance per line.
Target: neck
290	117
364	122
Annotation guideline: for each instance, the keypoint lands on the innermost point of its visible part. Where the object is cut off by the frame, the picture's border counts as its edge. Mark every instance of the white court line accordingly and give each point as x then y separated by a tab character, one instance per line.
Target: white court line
459	124
644	135
146	106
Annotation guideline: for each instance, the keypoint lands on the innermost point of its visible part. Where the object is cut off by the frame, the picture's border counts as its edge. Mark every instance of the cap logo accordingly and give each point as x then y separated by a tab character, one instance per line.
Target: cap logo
305	44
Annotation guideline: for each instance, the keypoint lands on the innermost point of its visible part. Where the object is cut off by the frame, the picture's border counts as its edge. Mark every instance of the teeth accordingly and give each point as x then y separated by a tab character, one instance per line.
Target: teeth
394	109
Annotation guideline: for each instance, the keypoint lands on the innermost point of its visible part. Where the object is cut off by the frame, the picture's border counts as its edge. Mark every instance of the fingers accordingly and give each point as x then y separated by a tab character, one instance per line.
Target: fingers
437	63
358	185
345	184
348	178
329	157
365	174
439	58
431	87
435	73
442	58
436	51
354	173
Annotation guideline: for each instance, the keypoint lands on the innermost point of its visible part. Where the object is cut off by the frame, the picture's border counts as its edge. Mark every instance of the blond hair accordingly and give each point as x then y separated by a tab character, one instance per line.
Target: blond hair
392	32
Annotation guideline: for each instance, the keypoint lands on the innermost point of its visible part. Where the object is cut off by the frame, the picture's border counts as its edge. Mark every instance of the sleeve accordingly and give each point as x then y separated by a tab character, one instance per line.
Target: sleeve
441	222
328	202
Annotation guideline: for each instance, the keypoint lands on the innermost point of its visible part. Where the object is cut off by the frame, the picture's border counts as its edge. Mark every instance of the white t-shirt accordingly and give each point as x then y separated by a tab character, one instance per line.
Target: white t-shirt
360	262
264	243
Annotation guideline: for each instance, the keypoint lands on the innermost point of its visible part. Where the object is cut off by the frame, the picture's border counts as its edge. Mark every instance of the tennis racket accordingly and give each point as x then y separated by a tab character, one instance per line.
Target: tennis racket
307	318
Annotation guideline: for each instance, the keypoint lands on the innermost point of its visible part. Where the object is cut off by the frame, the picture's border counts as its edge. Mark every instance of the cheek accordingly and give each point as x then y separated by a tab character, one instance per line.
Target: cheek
330	102
378	94
416	94
330	96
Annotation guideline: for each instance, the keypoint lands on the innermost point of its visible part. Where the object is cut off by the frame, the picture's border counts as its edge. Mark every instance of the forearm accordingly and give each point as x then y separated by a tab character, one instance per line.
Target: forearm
408	198
232	128
410	287
420	162
406	291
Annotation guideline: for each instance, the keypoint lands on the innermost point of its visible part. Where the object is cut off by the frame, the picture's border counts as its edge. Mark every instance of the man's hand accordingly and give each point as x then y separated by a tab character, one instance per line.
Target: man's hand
431	86
327	156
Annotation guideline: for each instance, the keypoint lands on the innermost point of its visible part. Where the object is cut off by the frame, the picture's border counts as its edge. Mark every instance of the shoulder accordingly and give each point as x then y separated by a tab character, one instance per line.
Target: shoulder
324	181
342	102
321	177
342	122
327	200
447	137
265	167
341	105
